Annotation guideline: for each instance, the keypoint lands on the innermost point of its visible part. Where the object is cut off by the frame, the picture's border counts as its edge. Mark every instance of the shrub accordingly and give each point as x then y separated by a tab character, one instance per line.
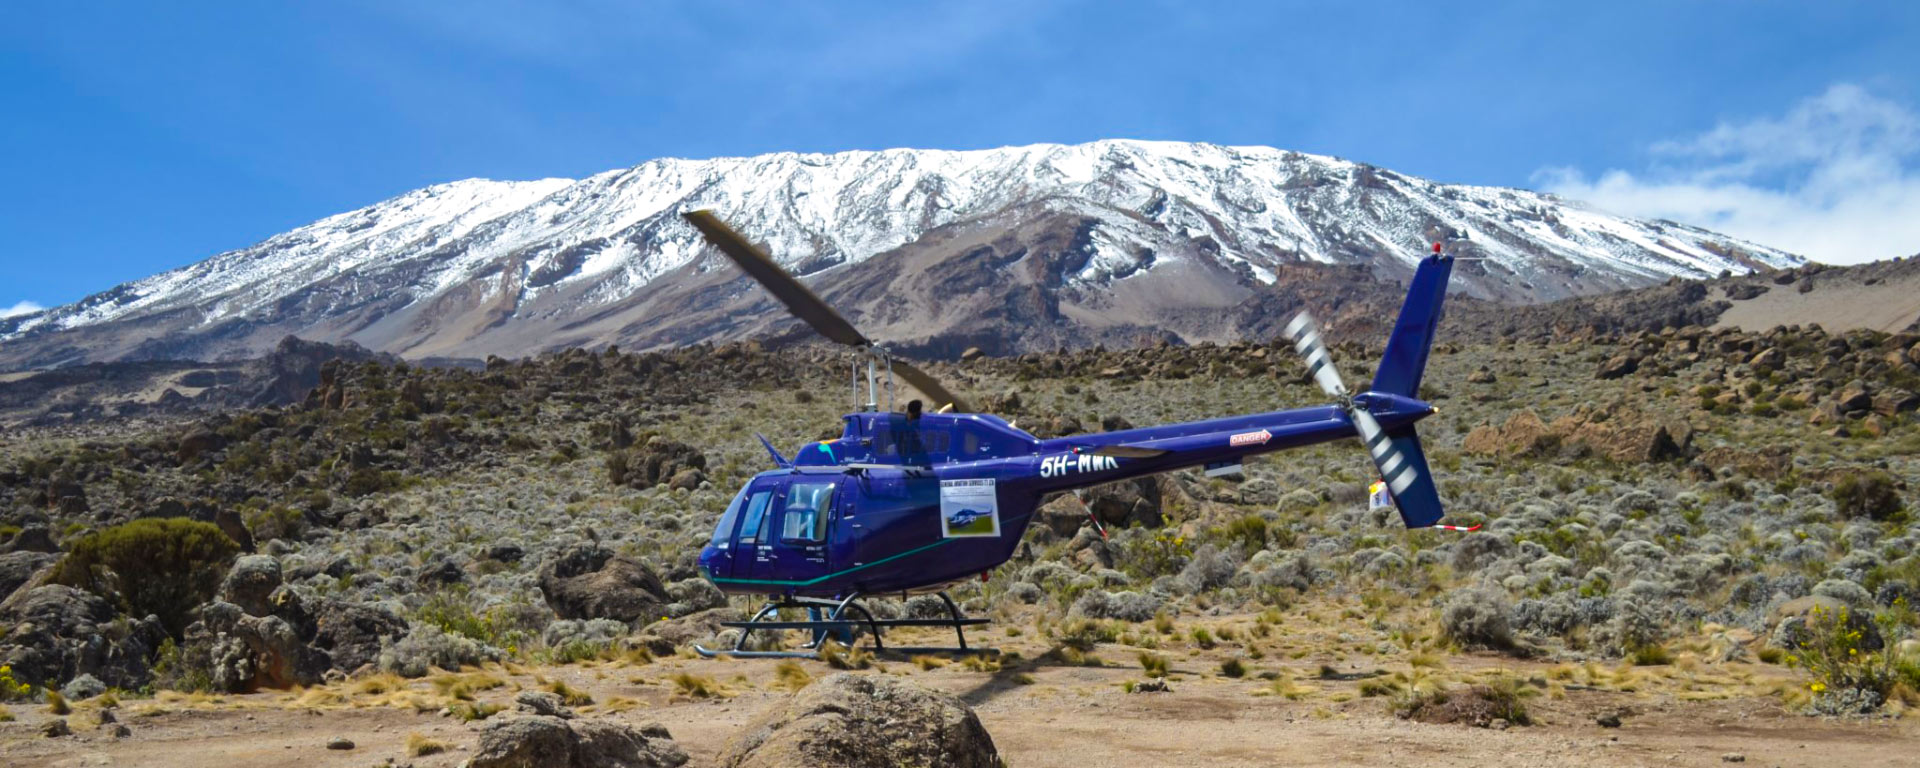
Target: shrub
1848	672
12	689
1478	617
1084	634
165	567
1870	494
1153	664
428	647
1125	606
1233	668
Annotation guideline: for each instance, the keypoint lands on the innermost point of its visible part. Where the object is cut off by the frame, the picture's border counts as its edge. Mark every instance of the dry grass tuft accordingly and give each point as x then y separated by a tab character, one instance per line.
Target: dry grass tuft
572	697
421	746
698	687
789	674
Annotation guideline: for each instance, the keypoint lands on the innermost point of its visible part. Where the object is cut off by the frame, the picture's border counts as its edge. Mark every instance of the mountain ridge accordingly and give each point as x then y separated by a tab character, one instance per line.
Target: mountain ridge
1186	238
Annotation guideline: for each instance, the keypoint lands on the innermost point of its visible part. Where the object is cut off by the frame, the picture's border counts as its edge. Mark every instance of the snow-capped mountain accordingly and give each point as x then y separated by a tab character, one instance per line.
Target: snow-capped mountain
1167	239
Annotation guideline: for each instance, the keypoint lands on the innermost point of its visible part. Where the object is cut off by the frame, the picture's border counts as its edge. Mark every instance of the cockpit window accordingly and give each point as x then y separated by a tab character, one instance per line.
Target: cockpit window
806	512
912	442
756	517
724	528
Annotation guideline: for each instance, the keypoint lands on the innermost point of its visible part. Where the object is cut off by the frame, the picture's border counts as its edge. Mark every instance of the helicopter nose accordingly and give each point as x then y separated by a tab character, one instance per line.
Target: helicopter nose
711	560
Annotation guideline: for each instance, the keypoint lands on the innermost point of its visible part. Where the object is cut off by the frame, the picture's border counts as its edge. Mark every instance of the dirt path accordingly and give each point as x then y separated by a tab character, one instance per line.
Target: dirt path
1066	716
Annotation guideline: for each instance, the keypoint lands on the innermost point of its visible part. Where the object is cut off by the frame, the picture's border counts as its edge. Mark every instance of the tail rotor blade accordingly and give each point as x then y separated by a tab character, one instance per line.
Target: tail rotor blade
1306	341
929	386
801	301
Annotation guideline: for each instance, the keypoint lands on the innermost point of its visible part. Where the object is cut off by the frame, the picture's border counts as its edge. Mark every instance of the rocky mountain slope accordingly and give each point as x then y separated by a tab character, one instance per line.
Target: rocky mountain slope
1013	249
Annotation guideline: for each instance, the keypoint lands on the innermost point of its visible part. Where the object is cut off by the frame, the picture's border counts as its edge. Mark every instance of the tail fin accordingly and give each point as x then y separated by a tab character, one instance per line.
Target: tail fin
1406	358
1413	491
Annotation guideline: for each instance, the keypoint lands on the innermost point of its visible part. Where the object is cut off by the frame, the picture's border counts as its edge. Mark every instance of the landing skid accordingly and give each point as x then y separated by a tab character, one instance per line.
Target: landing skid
842	619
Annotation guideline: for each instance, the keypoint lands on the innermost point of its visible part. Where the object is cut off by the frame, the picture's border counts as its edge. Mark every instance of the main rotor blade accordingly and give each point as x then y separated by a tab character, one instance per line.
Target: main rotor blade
801	301
928	386
1306	340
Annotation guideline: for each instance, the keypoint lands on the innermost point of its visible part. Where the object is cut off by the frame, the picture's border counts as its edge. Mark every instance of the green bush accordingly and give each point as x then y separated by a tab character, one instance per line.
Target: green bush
161	566
1871	494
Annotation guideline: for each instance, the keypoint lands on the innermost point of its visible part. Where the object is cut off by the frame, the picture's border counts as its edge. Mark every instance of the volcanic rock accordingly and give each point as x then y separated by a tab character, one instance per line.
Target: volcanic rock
854	721
591	582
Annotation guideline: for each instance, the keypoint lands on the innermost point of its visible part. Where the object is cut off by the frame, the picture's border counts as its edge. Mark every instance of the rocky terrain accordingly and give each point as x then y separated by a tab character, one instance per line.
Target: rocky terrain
1018	249
1684	525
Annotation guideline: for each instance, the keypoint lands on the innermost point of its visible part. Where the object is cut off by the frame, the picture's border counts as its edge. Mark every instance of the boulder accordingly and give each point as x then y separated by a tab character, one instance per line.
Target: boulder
53	633
18	568
247	653
1063	515
1128	502
655	463
540	733
687	480
199	442
854	721
1524	434
1618	366
350	633
1856	396
591	582
249	583
32	538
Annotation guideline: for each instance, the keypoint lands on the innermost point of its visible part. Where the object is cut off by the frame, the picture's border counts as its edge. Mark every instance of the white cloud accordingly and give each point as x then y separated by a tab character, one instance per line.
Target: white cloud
22	308
1834	179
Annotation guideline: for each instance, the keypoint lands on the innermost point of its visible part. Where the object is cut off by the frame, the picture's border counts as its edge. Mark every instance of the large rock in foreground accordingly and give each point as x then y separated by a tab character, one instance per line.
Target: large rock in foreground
541	733
854	721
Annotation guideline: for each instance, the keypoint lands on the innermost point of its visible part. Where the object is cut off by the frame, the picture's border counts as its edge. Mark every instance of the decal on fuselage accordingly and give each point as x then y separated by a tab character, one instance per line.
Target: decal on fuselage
1055	466
969	508
1250	438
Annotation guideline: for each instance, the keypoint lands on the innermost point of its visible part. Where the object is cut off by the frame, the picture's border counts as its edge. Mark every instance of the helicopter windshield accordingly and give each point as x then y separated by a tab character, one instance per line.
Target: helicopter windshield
724	529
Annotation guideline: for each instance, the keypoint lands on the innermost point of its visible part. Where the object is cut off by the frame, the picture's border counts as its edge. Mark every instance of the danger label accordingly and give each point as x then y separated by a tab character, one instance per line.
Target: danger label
1250	438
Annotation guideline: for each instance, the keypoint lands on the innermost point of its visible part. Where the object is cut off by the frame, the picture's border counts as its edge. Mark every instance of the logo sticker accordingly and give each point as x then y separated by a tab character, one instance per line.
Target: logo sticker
969	508
1250	438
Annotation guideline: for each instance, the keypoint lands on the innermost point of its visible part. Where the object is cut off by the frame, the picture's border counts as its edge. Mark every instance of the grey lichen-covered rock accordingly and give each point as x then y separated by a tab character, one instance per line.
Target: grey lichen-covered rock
250	652
854	721
250	582
543	734
83	686
352	632
53	633
18	568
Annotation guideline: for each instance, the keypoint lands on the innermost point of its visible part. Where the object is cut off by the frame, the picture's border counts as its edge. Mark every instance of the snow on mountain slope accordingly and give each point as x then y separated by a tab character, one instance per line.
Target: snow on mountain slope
475	267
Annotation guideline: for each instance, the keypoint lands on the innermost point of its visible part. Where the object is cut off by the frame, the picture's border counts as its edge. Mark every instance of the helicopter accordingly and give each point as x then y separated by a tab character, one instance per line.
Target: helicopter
909	502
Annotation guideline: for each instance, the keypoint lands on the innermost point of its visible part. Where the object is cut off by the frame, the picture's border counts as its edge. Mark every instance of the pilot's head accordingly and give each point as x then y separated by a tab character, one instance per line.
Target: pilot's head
913	410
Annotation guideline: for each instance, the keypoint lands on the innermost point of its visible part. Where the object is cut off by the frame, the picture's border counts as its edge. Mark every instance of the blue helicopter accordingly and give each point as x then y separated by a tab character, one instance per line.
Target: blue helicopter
913	502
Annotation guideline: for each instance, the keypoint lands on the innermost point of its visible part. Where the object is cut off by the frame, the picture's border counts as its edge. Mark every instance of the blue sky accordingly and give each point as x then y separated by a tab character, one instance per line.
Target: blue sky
140	137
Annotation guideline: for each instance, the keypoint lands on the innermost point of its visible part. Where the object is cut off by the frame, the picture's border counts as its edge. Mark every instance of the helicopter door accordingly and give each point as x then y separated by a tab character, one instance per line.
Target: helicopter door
797	550
756	502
